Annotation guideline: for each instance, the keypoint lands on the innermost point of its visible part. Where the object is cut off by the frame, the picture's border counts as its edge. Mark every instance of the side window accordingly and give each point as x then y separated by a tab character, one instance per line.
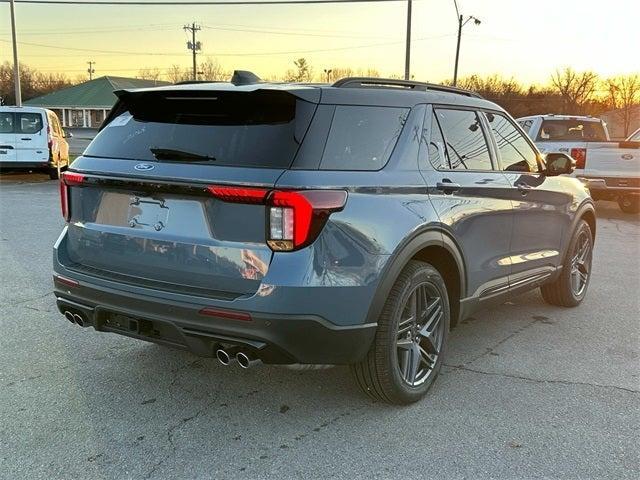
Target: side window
29	122
515	152
6	122
362	138
466	145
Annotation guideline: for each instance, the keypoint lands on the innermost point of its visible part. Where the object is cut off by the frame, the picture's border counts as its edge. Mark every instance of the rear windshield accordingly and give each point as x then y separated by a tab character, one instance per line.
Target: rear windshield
571	130
253	129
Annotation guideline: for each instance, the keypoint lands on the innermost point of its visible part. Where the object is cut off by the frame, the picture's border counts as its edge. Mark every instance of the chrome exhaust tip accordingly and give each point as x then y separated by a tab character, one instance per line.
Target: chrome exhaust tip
69	316
78	319
223	357
245	361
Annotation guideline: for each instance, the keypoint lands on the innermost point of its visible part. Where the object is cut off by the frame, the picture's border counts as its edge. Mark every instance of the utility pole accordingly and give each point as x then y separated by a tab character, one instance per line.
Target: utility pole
16	66
461	23
91	70
328	72
194	46
407	56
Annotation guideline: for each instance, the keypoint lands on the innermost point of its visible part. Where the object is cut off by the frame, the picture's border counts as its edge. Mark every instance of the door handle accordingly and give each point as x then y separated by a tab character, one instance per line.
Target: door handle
447	186
27	139
523	188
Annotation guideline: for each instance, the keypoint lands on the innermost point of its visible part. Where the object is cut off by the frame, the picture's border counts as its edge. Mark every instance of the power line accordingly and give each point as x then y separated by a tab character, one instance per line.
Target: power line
216	2
233	54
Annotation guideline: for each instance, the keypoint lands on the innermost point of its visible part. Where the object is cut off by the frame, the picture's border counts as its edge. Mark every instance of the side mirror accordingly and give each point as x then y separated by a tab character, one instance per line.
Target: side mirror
559	164
68	135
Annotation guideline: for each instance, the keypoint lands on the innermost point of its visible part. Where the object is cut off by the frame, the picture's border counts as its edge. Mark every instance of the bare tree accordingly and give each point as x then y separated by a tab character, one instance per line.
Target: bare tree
576	88
154	74
33	82
212	70
624	94
177	74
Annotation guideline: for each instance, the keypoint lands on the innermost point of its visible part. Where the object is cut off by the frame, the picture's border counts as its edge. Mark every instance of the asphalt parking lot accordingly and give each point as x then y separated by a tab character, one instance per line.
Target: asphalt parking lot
529	390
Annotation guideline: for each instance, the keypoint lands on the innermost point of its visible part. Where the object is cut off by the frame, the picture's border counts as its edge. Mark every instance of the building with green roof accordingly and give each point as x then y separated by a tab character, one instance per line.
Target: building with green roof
87	104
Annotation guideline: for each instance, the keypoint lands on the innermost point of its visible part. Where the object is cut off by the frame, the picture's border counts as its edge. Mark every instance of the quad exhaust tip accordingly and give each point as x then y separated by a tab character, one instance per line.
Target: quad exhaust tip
69	316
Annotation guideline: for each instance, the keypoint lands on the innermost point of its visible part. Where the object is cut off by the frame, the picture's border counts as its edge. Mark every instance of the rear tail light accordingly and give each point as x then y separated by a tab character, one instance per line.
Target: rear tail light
294	218
580	156
67	179
49	137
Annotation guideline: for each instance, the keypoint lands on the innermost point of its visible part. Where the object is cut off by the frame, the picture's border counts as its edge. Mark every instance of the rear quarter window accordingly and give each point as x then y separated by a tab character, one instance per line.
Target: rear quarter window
362	138
29	122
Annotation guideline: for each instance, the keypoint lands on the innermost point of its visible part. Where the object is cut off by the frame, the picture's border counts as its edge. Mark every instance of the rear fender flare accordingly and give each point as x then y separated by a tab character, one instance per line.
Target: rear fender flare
403	254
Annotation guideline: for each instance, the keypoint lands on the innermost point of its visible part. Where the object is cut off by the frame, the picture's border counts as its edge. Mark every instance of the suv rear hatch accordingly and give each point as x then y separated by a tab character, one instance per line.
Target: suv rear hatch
141	209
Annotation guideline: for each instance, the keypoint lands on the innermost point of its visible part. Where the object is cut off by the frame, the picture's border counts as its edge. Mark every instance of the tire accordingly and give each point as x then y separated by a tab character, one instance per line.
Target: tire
564	291
389	373
629	203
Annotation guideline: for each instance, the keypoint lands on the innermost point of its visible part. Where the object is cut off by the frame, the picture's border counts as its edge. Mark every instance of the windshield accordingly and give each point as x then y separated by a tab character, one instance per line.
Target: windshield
572	130
255	130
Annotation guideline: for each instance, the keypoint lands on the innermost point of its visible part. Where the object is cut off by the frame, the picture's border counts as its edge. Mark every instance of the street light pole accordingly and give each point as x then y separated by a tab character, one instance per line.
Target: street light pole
16	66
407	57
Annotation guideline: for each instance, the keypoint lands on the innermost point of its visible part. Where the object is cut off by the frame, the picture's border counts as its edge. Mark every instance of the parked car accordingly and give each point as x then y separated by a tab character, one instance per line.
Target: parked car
346	224
32	138
611	169
634	137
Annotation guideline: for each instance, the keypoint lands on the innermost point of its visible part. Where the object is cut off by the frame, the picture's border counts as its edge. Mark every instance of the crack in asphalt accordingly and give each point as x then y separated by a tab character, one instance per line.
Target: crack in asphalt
173	428
492	348
539	380
21	302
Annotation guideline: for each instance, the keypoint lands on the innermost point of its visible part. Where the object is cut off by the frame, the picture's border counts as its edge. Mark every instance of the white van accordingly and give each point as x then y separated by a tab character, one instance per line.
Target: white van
32	138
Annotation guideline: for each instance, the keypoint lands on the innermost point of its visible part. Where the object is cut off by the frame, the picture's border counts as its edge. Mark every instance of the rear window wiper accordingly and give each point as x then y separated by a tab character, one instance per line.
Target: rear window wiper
172	154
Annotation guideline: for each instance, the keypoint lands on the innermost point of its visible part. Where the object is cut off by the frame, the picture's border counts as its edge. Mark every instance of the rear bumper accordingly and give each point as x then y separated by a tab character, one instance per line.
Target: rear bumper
24	165
279	339
611	186
291	321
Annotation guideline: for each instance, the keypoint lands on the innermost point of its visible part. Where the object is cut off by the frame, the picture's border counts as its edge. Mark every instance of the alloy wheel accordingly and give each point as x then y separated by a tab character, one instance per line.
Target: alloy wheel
581	264
420	334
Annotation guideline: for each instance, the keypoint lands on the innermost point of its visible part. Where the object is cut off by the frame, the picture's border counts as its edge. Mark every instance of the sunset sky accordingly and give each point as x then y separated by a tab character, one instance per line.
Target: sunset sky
524	39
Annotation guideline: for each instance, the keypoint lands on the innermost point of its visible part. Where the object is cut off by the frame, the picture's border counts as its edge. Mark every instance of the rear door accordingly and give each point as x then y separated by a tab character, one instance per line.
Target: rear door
541	206
470	195
144	213
31	137
7	137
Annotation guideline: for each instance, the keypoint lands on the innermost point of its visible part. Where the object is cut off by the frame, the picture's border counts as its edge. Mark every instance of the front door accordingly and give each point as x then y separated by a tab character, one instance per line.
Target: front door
540	205
470	195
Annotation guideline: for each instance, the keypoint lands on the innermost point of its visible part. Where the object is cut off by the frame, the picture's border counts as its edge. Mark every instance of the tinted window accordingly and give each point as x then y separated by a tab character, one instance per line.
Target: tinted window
465	142
572	130
515	152
525	124
6	122
362	138
257	129
29	122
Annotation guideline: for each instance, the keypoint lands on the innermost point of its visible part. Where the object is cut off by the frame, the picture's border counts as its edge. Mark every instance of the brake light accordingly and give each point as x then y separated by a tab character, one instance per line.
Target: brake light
67	179
580	156
295	218
49	137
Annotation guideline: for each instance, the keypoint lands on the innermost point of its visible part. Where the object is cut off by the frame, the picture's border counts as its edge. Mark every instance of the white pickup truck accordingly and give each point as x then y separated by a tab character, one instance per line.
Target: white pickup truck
611	169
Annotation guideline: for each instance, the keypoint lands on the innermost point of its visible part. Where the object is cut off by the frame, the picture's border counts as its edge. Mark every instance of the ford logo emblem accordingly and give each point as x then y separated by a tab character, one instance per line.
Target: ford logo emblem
627	156
143	167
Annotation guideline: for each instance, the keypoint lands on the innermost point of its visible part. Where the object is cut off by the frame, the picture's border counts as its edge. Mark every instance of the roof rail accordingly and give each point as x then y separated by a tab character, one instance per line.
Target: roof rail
373	82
